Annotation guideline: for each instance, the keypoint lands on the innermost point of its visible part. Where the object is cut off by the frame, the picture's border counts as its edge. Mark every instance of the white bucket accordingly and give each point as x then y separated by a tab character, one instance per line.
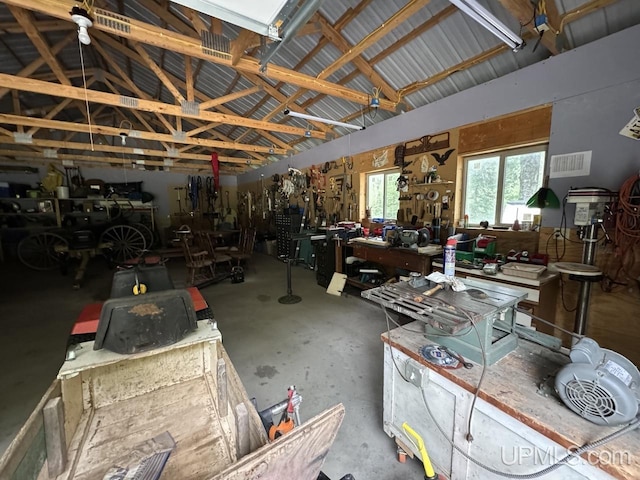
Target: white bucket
62	192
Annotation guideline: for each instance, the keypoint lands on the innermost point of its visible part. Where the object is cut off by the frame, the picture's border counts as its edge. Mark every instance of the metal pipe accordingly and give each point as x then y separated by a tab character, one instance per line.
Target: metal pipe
584	296
301	17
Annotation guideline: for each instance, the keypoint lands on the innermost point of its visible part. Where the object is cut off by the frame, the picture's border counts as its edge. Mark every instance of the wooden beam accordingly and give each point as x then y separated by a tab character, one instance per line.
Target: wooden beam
398	18
158	72
214	102
415	33
245	39
58	108
165	15
134	88
15	99
116	149
107	130
25	19
36	64
522	10
188	77
95	96
363	65
103	159
40	25
163	38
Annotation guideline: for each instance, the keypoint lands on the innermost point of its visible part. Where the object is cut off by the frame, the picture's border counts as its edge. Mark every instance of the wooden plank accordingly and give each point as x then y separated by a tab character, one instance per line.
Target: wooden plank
25	19
230	97
158	72
153	35
243	41
189	78
299	454
55	438
107	130
359	61
126	150
26	440
73	406
387	26
529	127
243	440
221	383
186	410
95	96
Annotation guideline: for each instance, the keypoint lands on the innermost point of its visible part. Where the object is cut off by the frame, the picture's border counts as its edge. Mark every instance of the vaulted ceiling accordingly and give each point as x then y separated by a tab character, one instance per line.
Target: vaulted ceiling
165	86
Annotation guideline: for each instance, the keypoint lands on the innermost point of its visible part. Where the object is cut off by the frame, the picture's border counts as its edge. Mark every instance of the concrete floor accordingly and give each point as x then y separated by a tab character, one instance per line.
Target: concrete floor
329	347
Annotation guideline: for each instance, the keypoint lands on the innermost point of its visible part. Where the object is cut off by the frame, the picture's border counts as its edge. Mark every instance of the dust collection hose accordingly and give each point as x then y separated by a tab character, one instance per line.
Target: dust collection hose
429	473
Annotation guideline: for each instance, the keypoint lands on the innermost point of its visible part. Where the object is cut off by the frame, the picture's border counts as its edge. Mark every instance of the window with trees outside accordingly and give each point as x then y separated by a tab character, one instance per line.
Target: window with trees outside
498	185
382	194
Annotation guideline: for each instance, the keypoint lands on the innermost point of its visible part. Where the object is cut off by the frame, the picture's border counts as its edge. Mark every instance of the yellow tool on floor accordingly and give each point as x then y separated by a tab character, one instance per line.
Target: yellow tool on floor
429	473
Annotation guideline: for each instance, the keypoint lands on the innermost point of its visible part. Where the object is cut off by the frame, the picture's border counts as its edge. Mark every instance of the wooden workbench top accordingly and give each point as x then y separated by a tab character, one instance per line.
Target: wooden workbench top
547	276
512	385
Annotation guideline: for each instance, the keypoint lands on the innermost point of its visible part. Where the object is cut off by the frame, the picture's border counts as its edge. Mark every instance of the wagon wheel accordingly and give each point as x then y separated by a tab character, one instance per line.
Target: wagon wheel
127	242
37	251
149	238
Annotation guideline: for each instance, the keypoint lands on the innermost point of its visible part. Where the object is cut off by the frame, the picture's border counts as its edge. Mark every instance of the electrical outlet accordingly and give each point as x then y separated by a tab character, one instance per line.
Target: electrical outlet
415	373
561	233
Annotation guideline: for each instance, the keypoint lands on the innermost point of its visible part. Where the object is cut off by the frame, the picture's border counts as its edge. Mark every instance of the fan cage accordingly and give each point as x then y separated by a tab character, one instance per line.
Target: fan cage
590	399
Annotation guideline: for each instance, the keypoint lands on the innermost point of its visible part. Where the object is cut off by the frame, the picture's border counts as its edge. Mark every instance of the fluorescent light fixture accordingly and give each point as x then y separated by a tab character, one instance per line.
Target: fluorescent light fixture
323	120
490	22
260	16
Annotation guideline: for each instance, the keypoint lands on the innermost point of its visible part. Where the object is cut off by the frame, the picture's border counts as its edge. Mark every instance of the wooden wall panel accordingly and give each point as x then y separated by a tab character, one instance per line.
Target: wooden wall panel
529	127
613	317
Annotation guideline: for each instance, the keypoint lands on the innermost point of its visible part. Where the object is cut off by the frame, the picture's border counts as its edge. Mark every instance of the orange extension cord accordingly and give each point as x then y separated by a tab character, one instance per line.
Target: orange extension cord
627	226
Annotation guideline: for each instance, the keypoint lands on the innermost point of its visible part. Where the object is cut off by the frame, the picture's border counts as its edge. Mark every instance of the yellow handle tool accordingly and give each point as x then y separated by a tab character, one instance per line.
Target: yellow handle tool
429	473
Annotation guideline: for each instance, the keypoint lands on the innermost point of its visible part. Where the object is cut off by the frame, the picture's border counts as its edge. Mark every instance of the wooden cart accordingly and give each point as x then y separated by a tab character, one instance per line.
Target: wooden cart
103	406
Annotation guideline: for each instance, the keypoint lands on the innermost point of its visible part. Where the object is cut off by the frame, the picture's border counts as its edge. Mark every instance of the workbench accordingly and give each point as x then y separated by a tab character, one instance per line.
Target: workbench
517	427
379	252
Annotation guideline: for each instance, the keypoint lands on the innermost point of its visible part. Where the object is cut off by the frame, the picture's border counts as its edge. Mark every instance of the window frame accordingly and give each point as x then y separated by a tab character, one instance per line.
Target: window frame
385	172
502	154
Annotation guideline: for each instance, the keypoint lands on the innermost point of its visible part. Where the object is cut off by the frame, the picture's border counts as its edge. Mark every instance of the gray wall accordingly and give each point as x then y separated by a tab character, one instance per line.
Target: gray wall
593	90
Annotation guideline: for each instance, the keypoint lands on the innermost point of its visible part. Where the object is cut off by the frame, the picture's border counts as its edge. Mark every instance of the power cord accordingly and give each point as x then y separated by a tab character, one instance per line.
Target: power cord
444	334
572	454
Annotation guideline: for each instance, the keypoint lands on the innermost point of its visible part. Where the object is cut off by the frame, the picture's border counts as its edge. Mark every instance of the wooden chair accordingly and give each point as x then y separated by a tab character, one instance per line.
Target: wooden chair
245	250
199	266
204	242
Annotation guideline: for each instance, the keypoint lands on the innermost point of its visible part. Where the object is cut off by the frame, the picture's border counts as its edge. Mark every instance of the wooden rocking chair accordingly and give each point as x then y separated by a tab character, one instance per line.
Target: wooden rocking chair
245	250
200	266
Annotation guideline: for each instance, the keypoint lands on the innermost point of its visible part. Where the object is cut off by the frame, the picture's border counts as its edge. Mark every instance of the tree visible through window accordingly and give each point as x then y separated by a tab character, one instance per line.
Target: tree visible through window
382	195
498	185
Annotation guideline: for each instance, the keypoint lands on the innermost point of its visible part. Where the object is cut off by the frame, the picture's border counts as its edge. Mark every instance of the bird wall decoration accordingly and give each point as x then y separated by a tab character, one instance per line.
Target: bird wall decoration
442	159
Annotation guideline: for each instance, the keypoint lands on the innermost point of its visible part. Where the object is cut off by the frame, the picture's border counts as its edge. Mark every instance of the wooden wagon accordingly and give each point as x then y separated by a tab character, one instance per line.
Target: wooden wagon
105	410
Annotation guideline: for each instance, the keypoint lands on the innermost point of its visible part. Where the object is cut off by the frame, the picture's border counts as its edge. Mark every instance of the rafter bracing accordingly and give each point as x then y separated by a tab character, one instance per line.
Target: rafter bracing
100	159
399	17
166	39
107	130
127	79
158	72
25	19
36	64
80	146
